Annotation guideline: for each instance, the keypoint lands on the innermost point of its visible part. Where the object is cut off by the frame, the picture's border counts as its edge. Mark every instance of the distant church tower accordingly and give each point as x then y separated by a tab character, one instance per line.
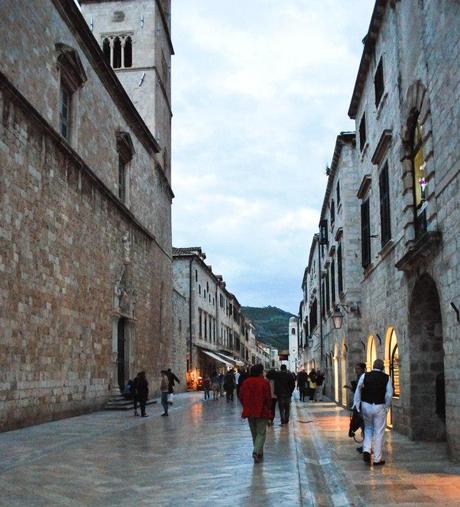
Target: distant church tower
135	36
293	344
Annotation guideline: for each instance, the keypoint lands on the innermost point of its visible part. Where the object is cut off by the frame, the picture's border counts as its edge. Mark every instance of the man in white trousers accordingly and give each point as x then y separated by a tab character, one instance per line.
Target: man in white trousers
373	398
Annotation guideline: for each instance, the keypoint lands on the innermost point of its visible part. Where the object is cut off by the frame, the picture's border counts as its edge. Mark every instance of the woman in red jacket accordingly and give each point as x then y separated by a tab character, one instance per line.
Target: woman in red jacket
256	398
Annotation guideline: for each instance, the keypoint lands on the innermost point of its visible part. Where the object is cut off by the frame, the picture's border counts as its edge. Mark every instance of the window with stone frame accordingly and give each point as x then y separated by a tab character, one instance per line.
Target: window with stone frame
379	84
200	323
65	111
385	218
337	191
332	212
313	315
333	282
328	299
362	132
365	234
118	50
72	77
323	305
339	269
125	151
419	178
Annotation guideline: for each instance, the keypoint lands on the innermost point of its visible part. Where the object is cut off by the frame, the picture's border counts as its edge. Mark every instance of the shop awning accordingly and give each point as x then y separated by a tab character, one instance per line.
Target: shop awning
232	359
216	357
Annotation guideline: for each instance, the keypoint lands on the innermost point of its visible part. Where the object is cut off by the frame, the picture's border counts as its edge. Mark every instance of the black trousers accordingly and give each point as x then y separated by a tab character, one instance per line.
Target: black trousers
274	400
284	404
142	403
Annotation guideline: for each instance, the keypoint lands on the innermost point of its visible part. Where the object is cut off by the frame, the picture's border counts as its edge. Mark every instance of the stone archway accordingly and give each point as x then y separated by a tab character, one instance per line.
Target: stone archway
427	395
371	352
343	368
392	366
335	359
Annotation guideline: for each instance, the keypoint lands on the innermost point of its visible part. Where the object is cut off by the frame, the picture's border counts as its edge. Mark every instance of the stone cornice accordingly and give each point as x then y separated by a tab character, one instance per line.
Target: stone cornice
366	58
365	184
382	146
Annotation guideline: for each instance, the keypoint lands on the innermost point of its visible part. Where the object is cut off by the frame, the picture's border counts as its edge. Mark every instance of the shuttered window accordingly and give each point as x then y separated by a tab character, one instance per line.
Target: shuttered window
385	221
365	235
339	268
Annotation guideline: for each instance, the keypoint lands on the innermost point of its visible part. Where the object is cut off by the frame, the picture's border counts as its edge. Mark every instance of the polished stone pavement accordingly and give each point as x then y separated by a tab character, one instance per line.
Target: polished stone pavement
201	455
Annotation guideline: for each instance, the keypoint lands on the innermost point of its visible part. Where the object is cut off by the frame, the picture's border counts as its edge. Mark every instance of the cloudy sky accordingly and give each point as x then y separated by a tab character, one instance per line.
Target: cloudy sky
261	88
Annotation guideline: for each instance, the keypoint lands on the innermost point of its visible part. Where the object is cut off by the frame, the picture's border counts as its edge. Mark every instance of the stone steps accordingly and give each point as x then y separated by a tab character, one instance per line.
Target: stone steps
119	402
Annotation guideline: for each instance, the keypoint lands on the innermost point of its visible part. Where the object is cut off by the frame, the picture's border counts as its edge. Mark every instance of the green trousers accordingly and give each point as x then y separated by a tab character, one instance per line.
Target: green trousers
258	428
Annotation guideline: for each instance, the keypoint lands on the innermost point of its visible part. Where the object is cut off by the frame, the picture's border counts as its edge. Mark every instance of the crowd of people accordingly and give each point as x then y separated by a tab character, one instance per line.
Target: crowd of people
259	394
138	390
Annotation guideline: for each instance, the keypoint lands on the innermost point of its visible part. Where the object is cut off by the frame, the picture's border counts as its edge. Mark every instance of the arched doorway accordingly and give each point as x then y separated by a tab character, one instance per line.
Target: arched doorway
392	366
121	352
343	370
427	394
336	373
371	352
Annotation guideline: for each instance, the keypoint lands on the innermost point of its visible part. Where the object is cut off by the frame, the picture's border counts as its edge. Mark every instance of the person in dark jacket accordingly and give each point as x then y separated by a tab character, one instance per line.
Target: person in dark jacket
229	385
302	384
312	384
284	387
256	399
142	391
172	379
134	393
373	397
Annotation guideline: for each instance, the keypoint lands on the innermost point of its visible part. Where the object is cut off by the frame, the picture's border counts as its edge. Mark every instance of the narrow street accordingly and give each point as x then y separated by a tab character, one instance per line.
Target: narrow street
201	455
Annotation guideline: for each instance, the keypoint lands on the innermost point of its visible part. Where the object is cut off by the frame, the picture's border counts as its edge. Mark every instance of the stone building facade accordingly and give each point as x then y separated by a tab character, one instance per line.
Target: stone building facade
218	334
332	279
85	227
406	107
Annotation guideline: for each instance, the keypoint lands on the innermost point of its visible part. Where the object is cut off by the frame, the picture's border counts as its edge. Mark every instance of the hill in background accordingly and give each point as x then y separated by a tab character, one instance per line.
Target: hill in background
271	323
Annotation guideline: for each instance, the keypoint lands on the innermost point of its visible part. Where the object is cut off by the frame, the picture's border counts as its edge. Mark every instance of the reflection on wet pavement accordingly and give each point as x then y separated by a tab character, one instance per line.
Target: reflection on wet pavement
201	455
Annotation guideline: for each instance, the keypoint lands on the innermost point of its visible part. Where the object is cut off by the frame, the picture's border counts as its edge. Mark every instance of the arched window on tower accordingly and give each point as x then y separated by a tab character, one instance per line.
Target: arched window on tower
128	52
419	178
116	53
106	49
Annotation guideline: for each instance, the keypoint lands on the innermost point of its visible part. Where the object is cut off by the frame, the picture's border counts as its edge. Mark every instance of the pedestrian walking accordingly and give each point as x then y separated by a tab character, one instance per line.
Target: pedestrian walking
164	388
271	378
373	398
134	393
172	379
206	386
312	384
215	385
221	382
236	376
243	376
302	384
256	399
142	392
284	387
360	368
229	385
319	386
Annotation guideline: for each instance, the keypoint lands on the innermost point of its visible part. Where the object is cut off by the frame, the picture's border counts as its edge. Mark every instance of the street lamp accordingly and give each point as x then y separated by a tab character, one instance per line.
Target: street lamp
337	318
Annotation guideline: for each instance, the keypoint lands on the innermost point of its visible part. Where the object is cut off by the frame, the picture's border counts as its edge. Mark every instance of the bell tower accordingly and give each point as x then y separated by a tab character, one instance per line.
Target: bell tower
135	37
